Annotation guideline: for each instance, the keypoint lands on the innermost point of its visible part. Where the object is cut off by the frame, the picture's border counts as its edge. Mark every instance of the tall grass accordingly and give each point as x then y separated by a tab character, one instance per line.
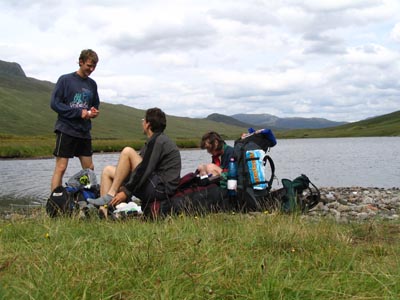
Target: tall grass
43	146
221	256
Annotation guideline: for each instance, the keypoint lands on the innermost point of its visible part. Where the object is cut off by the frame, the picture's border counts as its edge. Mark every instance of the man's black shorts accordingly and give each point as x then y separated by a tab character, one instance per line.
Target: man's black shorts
68	146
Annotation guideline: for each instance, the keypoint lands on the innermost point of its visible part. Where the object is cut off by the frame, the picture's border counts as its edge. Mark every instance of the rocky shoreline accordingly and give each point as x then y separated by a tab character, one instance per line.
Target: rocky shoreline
343	204
357	204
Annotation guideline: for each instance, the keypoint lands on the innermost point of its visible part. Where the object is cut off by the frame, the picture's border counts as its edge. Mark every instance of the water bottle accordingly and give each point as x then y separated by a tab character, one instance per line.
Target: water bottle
232	178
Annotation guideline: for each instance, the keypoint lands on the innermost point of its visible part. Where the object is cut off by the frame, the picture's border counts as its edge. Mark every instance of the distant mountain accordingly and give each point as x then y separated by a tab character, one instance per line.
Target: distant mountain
270	121
273	122
384	125
11	69
256	119
227	120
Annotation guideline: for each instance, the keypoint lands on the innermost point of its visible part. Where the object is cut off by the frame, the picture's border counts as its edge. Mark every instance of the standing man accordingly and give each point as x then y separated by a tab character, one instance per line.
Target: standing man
76	101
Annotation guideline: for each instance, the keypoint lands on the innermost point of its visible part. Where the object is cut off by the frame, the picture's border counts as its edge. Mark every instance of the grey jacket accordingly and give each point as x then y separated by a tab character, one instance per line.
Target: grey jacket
164	161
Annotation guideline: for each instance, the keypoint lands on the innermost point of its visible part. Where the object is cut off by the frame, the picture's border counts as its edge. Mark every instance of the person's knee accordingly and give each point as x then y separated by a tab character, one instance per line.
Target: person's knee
109	171
128	151
130	154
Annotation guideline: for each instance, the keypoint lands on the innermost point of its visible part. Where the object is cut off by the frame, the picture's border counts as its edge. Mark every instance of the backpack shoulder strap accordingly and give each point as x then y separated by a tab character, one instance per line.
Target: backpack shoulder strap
268	159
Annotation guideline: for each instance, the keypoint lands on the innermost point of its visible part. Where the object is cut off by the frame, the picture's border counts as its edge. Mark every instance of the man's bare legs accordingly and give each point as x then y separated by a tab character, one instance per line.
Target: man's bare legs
59	170
86	162
107	178
113	177
61	167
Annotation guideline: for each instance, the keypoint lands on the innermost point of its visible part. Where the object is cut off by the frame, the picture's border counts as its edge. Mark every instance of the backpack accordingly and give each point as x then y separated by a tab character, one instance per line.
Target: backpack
72	198
256	169
198	196
297	195
84	179
60	202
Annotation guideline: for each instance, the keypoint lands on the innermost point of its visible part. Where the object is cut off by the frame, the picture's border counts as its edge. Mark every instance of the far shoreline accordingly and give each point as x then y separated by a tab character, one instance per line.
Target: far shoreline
95	153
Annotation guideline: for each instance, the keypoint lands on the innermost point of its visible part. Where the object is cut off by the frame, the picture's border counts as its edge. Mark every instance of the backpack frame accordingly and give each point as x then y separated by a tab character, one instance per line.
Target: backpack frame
249	198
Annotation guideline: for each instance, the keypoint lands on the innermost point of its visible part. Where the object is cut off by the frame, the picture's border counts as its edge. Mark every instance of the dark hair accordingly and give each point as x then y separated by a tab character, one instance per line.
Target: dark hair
157	119
211	137
88	54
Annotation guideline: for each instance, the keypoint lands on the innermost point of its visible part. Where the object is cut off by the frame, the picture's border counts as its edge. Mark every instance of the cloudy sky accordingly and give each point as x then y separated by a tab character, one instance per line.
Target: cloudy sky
335	59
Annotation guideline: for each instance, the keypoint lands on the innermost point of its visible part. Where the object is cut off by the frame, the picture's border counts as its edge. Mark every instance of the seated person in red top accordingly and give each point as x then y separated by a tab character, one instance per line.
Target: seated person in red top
221	154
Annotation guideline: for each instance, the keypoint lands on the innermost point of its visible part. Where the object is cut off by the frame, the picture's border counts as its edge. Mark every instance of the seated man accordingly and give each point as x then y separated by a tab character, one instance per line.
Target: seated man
221	154
152	175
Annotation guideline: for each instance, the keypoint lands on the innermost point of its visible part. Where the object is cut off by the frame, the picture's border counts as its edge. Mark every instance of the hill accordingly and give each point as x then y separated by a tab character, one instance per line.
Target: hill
25	111
271	121
385	125
227	120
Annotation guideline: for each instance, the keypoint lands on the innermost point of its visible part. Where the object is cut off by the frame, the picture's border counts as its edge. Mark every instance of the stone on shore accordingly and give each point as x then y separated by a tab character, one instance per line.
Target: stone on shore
357	204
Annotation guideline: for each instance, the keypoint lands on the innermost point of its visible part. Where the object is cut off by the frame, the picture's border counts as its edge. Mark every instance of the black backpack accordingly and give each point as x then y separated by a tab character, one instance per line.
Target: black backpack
60	202
64	201
256	170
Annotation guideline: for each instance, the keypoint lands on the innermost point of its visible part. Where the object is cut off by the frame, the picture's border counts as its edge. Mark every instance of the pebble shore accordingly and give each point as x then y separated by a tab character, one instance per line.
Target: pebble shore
343	204
357	204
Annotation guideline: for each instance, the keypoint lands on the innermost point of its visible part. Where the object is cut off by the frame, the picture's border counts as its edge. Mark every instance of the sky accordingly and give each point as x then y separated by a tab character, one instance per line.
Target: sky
332	59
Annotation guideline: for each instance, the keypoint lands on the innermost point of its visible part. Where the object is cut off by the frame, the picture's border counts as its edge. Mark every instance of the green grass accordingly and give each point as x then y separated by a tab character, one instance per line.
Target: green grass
219	256
43	146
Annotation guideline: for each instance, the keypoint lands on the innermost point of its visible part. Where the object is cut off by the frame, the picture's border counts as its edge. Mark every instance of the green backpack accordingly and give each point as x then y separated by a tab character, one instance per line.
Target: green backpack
298	195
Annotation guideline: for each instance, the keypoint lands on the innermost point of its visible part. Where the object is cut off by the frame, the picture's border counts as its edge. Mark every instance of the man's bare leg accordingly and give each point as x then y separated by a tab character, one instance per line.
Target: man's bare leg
59	170
129	159
107	178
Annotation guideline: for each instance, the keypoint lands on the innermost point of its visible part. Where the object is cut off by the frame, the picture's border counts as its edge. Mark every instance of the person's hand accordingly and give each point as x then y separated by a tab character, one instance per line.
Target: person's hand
118	198
94	112
89	113
85	114
202	169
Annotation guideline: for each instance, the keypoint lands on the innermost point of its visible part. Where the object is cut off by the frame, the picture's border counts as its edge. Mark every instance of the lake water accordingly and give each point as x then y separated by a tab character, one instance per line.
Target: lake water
336	162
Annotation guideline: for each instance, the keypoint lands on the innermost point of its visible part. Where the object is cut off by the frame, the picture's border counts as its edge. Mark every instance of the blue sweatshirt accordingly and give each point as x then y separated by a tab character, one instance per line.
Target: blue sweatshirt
72	94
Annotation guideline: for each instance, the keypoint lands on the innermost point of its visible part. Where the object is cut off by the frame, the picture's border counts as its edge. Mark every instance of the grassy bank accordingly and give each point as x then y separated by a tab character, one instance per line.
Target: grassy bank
43	146
215	257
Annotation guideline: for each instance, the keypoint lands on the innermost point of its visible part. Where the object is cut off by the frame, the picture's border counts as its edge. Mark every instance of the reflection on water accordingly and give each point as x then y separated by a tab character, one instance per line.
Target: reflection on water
368	162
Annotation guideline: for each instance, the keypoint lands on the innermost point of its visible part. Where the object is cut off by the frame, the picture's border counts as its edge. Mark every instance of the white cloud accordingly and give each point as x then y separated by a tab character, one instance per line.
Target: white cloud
335	59
395	33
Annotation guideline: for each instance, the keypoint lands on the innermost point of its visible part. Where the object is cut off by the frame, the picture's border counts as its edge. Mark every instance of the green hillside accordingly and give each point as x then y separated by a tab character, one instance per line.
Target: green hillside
385	125
25	111
24	106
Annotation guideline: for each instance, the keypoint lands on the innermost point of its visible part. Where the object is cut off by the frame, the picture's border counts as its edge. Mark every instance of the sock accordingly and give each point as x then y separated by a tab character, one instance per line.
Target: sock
101	200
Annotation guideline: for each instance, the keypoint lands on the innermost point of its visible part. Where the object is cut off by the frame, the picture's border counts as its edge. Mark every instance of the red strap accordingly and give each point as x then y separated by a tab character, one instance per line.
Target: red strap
216	160
155	209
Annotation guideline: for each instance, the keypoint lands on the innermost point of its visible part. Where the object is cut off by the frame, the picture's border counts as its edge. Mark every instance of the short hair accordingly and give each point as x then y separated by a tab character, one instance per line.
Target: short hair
88	54
211	137
157	119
